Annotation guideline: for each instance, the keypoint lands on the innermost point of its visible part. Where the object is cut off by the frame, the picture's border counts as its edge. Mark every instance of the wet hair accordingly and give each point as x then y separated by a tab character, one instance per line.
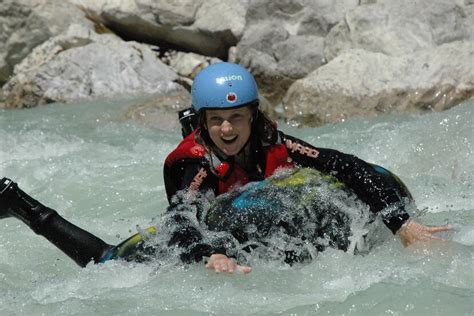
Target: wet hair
263	128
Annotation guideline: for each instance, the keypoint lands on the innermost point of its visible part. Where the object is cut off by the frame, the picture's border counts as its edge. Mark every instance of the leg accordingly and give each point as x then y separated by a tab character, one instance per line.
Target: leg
80	245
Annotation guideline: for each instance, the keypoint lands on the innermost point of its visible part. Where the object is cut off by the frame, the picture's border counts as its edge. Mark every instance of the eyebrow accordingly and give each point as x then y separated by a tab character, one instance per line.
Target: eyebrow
214	117
231	115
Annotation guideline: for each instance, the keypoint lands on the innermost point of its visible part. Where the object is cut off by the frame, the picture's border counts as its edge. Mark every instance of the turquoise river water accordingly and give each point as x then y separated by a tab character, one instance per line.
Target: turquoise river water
104	173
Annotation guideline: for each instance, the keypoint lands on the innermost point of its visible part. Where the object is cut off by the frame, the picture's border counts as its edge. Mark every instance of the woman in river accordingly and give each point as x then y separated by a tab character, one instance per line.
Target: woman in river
234	144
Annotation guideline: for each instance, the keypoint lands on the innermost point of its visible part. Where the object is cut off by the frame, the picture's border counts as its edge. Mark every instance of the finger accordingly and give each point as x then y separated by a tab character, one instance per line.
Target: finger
432	237
423	238
244	269
439	229
429	237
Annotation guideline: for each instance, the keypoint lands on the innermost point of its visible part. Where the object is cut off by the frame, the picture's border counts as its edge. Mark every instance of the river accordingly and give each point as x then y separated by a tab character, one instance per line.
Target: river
104	173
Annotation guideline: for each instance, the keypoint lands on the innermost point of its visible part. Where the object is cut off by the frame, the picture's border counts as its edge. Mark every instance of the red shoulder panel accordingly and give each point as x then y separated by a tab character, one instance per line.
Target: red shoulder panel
188	148
277	157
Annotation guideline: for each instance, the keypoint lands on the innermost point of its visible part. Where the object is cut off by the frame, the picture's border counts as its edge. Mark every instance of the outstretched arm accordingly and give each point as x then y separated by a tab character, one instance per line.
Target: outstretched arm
383	191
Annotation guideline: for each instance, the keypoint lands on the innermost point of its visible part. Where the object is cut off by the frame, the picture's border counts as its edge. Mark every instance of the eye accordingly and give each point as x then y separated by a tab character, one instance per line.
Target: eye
215	120
237	117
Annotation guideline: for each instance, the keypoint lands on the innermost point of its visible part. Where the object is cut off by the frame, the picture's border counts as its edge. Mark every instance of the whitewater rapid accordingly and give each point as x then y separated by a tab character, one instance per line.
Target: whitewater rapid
104	173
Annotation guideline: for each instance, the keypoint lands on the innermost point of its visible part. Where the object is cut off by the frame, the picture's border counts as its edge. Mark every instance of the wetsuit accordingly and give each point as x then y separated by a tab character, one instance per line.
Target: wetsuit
191	167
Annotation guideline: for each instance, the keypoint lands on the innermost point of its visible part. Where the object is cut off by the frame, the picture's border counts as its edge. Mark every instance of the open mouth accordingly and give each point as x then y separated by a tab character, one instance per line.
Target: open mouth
229	140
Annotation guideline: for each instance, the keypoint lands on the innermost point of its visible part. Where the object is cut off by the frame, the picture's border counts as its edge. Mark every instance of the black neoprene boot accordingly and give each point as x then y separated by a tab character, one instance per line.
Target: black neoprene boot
4	184
14	202
78	244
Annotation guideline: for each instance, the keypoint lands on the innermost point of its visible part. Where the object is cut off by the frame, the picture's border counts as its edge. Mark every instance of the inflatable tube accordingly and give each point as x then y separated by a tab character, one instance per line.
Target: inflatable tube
298	204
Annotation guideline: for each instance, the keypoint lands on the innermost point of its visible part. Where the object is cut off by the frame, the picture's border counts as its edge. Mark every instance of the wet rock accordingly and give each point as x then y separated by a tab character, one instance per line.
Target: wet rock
204	27
189	64
81	64
284	40
400	27
377	46
25	24
361	83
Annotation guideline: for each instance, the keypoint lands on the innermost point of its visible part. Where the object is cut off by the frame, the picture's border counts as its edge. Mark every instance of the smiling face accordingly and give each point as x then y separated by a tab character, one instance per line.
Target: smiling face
229	129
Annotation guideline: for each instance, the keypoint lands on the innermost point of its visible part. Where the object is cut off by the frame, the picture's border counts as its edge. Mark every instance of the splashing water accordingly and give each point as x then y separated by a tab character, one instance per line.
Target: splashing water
105	174
290	217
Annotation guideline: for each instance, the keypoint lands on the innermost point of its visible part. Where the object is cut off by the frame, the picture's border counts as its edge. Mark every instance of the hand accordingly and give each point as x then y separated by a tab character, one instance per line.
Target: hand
222	263
412	232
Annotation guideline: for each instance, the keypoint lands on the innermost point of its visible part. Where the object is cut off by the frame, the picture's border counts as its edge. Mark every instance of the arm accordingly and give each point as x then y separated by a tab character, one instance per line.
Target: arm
383	191
374	185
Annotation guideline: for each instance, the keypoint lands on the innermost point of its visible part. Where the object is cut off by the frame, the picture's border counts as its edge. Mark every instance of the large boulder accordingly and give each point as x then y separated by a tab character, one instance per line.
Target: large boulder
302	17
81	64
28	23
284	40
361	83
401	27
205	27
280	41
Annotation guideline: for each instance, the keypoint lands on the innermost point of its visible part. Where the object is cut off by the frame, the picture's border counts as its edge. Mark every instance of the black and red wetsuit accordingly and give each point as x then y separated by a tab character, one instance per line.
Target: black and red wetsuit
190	166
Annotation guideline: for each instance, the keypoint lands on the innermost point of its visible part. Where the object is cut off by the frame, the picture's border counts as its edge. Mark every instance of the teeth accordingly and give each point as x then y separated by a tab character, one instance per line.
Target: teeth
229	138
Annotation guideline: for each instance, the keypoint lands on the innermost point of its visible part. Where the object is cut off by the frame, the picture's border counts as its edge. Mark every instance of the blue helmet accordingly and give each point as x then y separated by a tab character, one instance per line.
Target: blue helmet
223	86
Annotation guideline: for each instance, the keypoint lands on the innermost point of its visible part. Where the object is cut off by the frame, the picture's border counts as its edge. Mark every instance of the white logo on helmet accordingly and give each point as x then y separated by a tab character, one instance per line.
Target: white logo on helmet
222	80
231	97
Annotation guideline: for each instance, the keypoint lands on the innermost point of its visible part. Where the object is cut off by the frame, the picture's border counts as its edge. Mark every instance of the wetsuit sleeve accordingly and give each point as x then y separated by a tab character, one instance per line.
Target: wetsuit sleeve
381	190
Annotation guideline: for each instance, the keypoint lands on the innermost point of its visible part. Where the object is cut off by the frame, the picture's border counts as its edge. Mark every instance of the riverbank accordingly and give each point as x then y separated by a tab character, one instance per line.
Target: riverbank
316	62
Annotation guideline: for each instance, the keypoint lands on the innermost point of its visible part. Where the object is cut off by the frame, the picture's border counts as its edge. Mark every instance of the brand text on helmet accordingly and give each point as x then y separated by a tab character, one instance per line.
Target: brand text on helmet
222	80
